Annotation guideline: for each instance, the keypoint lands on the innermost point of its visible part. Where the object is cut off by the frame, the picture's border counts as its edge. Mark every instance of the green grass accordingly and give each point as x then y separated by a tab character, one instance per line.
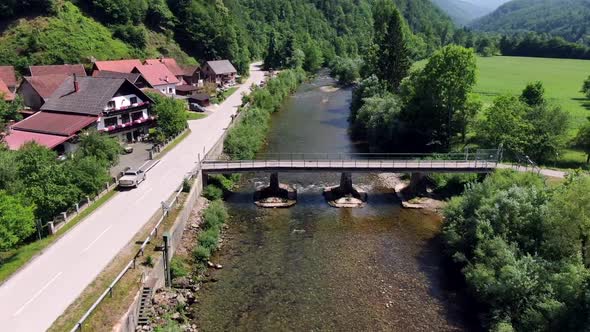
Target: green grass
562	79
224	95
195	115
15	259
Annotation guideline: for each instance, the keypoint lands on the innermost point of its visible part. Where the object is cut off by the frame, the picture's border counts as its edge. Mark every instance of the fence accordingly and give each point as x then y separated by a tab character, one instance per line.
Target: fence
176	232
65	217
166	207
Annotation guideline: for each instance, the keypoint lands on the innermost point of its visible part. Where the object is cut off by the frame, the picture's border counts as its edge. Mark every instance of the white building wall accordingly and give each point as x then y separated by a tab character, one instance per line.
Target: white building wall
125	100
166	88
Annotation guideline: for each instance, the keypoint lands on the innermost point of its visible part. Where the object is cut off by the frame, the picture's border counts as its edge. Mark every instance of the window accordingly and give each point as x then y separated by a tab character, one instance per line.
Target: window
170	90
133	100
125	118
110	121
136	116
111	104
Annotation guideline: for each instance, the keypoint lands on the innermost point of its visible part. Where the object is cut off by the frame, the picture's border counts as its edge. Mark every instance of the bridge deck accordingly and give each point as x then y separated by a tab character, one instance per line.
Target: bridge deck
353	166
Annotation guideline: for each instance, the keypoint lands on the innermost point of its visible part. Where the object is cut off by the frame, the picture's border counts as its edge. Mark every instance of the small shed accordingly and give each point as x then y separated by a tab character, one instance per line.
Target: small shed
200	99
186	90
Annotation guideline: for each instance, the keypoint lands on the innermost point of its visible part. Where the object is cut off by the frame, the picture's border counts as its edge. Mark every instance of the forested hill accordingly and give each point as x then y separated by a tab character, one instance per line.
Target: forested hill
465	11
569	19
70	31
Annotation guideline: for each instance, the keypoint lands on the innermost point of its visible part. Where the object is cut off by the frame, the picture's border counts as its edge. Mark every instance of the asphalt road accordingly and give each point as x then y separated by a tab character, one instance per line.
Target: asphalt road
33	298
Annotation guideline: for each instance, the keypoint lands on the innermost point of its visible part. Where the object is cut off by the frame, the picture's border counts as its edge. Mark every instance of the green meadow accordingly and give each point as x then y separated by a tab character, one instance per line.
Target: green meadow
562	79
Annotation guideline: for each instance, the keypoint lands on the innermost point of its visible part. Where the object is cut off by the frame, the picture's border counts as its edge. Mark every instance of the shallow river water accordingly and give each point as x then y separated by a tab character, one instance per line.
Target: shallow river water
317	268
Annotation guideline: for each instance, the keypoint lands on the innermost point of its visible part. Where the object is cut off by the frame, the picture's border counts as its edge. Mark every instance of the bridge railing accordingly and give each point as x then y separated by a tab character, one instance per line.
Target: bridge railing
481	155
327	160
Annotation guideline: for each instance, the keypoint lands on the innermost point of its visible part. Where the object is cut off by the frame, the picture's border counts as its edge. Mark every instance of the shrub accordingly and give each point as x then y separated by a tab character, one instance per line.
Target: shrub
178	268
149	261
214	215
209	238
186	186
201	254
212	192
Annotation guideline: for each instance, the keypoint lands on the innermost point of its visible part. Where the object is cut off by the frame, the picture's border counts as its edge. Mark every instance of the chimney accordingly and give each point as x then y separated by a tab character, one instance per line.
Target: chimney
76	84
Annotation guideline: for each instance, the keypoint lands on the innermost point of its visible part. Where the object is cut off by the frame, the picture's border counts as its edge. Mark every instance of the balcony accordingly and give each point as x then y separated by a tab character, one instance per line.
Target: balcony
129	125
126	108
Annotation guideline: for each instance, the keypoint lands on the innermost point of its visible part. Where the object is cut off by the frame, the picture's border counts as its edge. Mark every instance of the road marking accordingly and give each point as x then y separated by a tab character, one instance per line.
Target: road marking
98	238
36	294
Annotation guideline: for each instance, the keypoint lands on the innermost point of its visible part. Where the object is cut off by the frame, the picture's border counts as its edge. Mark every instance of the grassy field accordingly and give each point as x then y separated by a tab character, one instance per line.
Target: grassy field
562	79
195	115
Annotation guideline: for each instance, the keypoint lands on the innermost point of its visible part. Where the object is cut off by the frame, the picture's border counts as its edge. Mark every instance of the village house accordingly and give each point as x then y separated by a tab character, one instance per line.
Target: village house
220	72
8	82
120	109
159	77
36	89
67	70
192	76
119	66
135	78
171	64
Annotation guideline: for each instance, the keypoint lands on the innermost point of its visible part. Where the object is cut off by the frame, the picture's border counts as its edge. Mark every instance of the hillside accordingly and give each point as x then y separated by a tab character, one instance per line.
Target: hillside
62	31
463	11
569	19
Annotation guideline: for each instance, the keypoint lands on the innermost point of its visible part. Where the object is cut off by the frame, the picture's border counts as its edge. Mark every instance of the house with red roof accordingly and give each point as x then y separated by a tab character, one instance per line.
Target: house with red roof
119	66
159	77
170	63
66	70
8	76
111	105
36	89
5	92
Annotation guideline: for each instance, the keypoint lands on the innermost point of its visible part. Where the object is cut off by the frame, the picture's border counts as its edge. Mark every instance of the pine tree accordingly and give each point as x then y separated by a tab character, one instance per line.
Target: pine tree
272	60
392	61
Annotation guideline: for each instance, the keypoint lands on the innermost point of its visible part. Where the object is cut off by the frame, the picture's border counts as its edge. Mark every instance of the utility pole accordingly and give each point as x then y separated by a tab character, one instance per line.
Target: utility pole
166	253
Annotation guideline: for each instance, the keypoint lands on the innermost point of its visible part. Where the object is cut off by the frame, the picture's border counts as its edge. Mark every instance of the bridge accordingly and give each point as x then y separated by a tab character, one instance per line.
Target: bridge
481	161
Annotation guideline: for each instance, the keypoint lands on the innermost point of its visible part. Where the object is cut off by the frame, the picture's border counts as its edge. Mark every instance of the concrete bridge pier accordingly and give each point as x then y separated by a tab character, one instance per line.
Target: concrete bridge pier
276	194
417	184
346	194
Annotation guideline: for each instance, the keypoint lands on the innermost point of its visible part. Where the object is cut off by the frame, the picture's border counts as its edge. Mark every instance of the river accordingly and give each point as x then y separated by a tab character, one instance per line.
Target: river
317	268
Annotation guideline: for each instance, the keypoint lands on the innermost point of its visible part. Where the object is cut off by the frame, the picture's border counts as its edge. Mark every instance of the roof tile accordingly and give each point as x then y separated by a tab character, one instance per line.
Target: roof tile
8	75
121	66
157	74
77	69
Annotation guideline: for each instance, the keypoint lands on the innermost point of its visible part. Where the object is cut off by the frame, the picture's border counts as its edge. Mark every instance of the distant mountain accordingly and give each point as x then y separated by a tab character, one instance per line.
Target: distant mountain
465	11
569	19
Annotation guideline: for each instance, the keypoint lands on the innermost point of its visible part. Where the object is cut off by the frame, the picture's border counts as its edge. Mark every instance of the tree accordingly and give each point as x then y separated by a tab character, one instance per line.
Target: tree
586	87
88	174
171	114
377	120
45	183
17	221
533	94
313	57
272	60
583	140
9	110
393	61
437	96
538	132
104	149
346	70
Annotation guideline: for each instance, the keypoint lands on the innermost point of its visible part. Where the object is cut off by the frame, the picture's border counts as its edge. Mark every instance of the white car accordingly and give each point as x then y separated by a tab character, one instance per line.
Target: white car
132	178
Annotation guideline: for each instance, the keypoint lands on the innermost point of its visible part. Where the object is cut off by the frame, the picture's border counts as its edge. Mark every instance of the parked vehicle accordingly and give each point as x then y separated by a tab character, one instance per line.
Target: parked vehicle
132	178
